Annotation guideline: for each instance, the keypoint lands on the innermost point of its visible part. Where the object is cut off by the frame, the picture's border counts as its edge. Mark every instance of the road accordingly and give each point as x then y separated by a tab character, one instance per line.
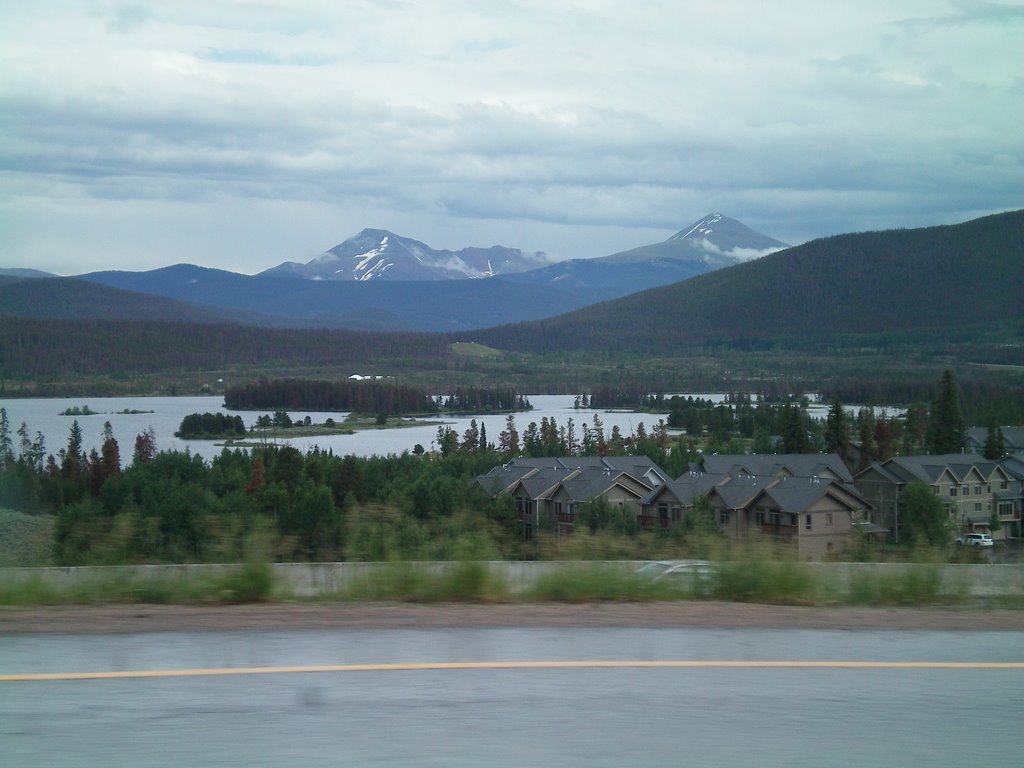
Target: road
544	696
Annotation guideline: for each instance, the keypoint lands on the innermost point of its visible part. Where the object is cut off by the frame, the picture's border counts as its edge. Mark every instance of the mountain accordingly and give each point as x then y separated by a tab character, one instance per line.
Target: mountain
376	254
431	302
20	272
955	282
379	305
73	299
711	243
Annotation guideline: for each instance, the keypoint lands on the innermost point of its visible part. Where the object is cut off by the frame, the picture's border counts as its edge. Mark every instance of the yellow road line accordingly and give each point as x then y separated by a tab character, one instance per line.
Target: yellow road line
494	665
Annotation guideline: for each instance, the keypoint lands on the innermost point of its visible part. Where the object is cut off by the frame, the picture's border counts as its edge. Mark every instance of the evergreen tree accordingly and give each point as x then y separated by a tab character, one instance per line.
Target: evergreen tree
866	434
145	447
508	440
947	430
73	459
794	432
6	441
995	443
837	431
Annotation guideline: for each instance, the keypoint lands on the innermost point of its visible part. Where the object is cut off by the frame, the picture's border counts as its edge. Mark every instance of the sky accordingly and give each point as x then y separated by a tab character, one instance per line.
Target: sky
239	134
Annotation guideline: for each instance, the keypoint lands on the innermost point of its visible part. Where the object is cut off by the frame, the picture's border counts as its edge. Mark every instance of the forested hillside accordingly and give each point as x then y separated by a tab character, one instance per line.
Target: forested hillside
962	281
71	299
61	349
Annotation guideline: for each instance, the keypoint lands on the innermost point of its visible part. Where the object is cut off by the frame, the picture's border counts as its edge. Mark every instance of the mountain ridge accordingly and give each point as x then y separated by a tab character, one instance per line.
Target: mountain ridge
956	279
378	254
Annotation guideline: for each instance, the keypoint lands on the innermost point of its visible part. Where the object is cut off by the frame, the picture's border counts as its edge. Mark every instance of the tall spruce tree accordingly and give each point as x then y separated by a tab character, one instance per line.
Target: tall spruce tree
837	431
995	443
947	430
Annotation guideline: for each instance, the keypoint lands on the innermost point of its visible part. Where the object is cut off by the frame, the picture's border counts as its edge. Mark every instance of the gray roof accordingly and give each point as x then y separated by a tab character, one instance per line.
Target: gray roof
797	494
544	481
589	484
775	465
1013	437
637	466
736	492
929	469
684	489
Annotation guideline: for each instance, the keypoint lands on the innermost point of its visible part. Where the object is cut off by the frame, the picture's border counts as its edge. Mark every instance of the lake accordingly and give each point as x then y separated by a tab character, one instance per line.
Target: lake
164	415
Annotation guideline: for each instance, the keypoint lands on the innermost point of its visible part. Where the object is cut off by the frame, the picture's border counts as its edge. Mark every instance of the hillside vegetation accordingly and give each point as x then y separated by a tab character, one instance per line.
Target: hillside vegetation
961	282
895	306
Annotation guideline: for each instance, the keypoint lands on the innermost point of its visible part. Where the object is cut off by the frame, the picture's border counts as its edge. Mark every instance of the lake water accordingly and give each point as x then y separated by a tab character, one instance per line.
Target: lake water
164	415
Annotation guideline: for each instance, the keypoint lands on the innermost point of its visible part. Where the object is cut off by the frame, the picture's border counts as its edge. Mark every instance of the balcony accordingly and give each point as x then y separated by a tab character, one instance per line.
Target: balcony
779	530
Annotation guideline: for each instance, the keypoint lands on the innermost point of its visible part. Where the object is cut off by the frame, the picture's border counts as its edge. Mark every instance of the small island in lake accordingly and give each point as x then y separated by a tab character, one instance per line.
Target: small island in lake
79	410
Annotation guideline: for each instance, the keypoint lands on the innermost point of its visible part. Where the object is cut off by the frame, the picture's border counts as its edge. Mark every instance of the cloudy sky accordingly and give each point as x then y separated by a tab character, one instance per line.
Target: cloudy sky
242	133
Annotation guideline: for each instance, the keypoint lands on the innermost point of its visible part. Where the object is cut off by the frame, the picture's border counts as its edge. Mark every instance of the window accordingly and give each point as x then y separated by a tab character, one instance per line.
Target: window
807	522
977	506
759	517
723	517
828	519
966	490
952	491
977	490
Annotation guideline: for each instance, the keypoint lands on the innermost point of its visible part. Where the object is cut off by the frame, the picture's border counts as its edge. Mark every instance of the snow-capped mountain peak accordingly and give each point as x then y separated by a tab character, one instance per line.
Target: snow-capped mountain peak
376	254
723	241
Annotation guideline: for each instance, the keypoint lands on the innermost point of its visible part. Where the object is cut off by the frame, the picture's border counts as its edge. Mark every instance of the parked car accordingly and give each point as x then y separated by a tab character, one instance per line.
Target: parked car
975	540
695	575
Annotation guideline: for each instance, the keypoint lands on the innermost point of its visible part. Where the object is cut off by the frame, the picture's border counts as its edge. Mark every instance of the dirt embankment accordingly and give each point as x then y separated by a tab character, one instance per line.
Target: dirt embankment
119	619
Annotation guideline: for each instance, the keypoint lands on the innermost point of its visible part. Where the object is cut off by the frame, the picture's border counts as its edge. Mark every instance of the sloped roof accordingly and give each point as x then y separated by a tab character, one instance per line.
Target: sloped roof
591	484
775	465
797	494
637	466
881	469
686	488
1013	437
544	481
929	469
736	492
504	477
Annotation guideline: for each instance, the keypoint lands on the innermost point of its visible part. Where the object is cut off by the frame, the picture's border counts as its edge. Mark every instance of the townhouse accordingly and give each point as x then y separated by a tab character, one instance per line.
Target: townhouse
975	491
806	501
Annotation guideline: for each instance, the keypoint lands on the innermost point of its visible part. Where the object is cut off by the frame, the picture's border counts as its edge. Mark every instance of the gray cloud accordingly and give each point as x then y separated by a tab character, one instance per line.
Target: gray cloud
574	129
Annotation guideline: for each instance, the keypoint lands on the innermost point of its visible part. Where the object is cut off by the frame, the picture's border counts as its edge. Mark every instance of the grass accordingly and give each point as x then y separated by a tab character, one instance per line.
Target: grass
753	578
473	349
462	581
243	583
25	540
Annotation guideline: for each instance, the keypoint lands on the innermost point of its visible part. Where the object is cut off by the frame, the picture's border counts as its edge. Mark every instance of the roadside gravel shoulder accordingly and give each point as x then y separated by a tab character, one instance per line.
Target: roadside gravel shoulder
135	618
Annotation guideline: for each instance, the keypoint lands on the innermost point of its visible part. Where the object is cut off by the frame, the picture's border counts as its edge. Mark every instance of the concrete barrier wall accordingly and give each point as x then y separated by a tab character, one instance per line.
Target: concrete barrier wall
324	579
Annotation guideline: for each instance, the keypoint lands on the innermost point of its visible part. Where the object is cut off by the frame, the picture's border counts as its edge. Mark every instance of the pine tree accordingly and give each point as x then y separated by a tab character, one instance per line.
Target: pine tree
995	443
947	430
837	431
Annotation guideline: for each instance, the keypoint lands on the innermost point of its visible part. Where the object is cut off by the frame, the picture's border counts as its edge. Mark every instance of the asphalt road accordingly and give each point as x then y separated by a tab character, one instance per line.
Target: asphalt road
544	696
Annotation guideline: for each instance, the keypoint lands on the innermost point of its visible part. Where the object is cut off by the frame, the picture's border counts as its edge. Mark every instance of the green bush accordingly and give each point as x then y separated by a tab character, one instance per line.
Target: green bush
587	582
758	579
459	581
912	585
